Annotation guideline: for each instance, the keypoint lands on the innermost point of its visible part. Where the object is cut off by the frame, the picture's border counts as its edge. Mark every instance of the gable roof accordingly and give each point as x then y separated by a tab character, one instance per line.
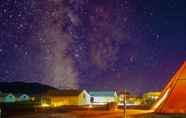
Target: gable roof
172	99
102	93
64	92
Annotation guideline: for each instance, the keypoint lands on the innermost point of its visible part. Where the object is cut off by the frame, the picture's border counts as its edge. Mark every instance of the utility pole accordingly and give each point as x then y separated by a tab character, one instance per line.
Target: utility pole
124	104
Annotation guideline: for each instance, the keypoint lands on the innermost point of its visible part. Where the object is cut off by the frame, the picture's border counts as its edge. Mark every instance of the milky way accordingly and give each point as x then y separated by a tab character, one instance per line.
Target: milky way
55	42
92	44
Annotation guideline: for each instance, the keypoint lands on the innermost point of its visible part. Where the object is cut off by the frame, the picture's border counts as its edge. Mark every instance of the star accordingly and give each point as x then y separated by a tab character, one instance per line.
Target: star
1	50
82	43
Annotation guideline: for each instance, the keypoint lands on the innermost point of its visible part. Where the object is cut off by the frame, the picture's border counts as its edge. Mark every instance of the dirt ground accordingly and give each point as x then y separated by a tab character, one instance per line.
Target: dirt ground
99	114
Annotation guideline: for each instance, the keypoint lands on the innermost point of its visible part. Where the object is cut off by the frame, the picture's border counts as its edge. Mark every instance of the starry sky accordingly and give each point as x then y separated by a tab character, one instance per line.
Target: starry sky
92	44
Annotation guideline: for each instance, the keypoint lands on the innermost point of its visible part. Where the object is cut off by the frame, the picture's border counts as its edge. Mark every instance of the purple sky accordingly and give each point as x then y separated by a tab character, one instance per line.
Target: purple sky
92	44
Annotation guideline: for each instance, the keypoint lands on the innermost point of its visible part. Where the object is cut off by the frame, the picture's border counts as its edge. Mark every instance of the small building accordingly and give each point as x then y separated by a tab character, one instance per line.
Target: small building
123	95
150	97
134	100
130	100
102	97
65	98
23	98
9	98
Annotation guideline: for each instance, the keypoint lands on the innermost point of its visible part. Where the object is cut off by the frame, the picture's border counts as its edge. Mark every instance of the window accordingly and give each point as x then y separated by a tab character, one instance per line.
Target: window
92	99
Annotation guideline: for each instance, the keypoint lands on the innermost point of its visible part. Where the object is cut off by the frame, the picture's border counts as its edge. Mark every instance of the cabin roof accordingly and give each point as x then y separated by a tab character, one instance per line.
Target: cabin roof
102	93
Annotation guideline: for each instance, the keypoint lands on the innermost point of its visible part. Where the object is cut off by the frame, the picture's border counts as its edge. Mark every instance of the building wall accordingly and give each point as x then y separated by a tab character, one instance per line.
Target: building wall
104	100
84	98
59	101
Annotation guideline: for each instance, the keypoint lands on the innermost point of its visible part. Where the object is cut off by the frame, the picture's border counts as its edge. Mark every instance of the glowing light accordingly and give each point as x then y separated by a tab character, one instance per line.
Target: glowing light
99	103
161	100
45	105
90	106
115	109
55	105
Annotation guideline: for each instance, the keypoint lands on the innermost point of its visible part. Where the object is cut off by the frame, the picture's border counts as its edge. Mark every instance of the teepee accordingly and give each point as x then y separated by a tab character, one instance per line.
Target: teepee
173	96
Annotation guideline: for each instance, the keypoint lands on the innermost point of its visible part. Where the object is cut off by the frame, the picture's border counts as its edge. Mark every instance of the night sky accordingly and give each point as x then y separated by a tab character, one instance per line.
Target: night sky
92	44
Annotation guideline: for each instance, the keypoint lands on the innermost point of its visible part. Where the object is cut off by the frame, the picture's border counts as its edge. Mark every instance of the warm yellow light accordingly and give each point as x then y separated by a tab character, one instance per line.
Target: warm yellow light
45	105
55	105
115	109
90	106
161	100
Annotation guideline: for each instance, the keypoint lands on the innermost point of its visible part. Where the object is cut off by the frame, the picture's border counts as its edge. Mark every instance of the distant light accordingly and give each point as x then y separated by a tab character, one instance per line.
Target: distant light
90	106
115	109
45	105
55	105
